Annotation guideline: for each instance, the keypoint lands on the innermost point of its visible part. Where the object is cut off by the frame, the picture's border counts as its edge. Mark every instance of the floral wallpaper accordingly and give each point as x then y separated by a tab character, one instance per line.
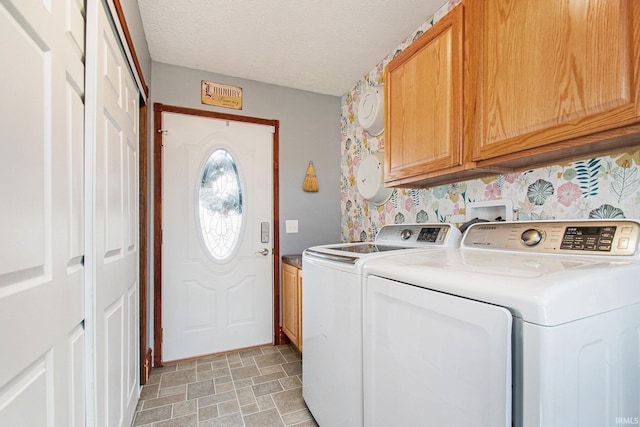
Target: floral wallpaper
603	187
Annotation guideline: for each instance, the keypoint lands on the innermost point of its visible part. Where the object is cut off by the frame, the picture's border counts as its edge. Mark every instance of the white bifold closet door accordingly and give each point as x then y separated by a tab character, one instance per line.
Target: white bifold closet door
114	213
42	372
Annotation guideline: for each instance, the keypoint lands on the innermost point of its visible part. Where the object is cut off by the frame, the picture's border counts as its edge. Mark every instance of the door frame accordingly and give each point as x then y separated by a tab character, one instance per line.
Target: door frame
158	109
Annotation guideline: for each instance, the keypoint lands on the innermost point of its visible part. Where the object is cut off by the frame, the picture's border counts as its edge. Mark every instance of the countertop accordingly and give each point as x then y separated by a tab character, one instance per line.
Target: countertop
294	260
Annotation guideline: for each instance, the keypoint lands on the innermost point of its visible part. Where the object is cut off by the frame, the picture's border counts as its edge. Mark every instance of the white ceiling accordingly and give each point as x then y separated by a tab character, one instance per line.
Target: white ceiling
322	46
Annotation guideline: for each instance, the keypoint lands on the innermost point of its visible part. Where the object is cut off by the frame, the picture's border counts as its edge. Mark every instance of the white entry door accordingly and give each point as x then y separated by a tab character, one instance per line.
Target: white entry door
41	212
217	258
115	306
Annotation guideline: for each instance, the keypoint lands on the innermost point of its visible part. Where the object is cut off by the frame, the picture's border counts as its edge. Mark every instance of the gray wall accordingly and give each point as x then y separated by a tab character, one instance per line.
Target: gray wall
309	130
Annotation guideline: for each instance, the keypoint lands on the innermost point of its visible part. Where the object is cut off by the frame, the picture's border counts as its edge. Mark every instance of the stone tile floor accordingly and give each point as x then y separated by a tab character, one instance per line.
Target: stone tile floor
255	387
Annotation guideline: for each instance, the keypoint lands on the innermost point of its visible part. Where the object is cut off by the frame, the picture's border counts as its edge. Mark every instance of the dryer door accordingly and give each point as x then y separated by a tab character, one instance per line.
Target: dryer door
434	359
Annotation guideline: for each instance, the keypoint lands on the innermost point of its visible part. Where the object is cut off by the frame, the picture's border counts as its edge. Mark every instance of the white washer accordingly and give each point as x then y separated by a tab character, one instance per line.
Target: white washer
527	324
332	316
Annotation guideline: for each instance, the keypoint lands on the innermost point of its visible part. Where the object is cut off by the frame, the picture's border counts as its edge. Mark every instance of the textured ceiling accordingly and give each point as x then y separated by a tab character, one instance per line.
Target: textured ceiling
322	46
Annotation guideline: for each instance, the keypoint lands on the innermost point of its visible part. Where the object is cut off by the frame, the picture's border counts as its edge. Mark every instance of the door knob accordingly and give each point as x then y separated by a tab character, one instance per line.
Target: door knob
263	252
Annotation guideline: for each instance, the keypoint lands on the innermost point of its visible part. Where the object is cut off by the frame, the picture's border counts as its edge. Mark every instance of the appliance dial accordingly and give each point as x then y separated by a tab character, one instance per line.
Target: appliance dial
405	234
531	237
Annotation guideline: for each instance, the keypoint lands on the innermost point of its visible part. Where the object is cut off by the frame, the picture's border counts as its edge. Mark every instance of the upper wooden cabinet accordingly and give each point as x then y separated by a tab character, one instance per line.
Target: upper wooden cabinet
498	85
550	79
423	105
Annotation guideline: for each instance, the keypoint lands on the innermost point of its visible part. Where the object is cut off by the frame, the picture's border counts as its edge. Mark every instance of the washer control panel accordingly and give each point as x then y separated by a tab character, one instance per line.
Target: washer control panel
598	237
592	239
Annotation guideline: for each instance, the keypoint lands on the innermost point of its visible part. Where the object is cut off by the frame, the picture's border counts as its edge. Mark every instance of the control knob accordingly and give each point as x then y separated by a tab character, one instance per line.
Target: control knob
405	234
531	237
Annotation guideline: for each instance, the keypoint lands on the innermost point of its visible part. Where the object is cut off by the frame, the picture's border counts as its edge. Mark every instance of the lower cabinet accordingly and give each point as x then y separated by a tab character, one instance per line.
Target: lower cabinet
292	304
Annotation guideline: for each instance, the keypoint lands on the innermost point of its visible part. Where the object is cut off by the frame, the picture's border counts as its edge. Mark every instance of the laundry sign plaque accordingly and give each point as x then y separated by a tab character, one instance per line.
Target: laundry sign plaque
221	95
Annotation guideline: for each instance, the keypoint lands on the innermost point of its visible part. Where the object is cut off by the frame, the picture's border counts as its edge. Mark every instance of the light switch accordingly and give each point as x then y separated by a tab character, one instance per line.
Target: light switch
291	226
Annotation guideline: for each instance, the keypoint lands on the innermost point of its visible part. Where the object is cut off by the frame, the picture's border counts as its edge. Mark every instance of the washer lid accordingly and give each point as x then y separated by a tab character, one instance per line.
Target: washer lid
544	289
370	179
371	110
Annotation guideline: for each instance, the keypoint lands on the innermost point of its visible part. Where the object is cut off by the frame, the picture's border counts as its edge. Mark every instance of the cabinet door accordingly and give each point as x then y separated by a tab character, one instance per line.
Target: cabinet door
299	344
546	71
423	104
290	303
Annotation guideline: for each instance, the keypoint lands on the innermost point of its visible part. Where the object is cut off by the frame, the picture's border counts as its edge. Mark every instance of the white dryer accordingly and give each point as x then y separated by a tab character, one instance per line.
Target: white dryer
332	315
527	324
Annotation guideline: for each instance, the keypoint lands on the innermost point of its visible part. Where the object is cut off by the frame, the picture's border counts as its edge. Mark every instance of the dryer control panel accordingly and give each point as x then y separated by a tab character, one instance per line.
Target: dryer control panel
418	235
597	237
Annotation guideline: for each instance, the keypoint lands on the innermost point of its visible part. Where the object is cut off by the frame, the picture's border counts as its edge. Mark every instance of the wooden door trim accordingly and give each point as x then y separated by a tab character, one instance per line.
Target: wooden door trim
158	109
143	223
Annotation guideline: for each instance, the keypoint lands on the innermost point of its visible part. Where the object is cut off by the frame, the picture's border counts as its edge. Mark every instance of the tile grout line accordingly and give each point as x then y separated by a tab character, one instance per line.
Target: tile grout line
292	381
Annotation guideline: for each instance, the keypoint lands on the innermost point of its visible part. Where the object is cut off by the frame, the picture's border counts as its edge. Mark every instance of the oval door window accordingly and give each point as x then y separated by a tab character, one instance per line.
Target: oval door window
220	200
